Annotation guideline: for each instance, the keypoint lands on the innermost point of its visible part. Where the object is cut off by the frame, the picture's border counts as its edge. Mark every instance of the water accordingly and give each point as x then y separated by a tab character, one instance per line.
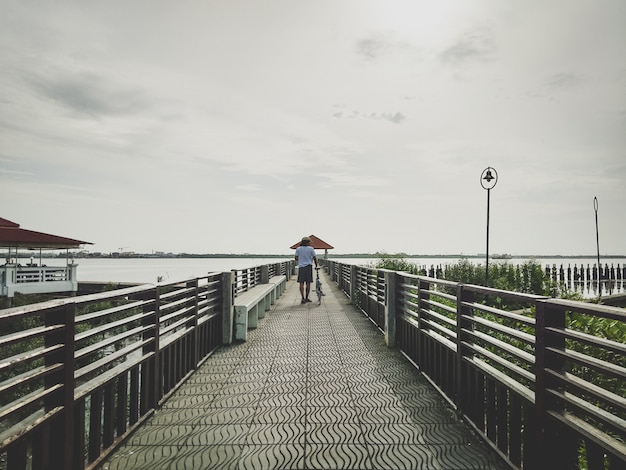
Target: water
150	270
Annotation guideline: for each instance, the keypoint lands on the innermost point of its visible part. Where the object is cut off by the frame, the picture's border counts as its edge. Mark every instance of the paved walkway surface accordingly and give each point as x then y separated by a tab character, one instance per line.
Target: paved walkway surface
314	387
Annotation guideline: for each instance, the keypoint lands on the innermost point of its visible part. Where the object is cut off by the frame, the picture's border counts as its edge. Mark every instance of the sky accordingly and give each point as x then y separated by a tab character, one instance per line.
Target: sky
240	126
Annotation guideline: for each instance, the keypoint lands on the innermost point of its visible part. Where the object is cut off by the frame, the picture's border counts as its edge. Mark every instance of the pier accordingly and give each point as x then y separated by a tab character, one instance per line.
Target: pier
313	387
391	370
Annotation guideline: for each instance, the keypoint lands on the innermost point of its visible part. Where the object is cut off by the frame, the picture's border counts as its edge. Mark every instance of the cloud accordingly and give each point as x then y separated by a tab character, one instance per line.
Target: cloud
394	118
563	81
380	46
371	48
90	94
362	182
13	174
250	187
475	45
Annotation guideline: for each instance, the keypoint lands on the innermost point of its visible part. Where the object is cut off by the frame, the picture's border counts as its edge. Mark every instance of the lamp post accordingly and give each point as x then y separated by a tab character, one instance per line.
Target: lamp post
595	208
488	180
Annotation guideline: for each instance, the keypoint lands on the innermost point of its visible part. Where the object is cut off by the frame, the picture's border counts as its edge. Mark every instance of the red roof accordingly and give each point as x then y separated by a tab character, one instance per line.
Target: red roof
12	236
316	243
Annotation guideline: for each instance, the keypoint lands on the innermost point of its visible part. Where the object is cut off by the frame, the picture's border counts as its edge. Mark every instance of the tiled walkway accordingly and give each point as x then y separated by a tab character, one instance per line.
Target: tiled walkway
314	387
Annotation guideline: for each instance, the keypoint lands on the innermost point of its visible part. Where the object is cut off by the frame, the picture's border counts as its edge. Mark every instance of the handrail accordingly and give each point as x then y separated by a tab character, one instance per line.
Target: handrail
544	389
105	361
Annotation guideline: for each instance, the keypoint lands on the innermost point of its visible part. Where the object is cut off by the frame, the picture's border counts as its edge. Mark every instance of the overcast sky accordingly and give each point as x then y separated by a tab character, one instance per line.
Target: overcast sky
240	126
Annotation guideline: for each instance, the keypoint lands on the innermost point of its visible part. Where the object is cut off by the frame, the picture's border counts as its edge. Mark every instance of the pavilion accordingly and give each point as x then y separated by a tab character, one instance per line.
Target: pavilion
316	243
35	277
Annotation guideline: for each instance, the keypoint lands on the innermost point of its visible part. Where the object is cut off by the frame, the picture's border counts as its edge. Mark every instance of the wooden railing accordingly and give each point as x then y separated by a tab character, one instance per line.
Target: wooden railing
542	380
246	278
77	375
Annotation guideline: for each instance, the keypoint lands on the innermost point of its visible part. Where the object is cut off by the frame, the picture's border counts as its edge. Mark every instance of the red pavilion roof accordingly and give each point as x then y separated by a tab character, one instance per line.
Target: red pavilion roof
12	236
316	243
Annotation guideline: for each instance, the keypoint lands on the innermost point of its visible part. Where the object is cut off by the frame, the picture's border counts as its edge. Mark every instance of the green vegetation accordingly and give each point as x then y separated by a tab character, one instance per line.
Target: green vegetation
528	277
398	264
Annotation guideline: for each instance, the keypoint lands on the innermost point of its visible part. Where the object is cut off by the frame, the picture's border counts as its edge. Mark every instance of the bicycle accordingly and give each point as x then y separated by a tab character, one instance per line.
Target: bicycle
318	286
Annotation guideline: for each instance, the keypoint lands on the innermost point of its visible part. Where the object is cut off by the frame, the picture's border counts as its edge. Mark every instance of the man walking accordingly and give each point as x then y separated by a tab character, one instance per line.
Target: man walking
305	257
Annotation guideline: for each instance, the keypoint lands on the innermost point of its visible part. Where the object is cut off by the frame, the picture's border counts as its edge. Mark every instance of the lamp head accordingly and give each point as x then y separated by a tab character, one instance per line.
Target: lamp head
489	178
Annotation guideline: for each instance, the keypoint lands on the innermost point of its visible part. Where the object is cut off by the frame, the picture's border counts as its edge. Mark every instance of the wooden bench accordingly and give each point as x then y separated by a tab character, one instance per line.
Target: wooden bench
252	305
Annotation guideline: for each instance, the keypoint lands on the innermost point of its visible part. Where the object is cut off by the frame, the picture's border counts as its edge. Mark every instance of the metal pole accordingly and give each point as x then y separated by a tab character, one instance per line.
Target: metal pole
488	180
595	208
487	254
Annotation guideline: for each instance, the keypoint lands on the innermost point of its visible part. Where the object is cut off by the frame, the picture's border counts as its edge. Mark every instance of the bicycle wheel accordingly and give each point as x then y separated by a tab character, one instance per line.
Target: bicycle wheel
318	291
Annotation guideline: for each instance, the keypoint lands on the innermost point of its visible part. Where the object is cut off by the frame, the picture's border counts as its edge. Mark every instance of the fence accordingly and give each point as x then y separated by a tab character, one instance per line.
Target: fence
77	375
542	380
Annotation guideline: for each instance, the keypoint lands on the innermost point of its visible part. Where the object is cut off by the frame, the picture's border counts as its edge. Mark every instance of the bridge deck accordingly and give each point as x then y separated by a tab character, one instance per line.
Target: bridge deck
314	387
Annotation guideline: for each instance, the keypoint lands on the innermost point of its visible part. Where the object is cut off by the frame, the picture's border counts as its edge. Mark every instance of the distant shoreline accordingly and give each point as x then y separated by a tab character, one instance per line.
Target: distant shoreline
495	256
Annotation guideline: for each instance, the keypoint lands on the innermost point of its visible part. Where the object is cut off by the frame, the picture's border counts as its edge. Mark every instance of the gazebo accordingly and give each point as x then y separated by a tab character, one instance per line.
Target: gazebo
34	277
316	243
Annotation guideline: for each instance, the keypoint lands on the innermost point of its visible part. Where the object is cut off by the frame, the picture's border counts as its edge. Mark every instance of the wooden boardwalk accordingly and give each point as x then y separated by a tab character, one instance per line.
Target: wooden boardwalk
314	387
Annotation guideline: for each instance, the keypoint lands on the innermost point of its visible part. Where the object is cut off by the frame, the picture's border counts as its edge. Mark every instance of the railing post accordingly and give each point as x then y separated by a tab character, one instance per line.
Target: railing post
354	288
422	295
340	280
553	447
265	274
540	385
391	297
71	276
151	378
196	332
228	298
235	281
462	397
381	285
63	441
276	267
10	280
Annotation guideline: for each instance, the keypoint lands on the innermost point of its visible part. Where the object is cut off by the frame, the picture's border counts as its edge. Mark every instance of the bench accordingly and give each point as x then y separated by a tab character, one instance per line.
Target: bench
252	305
280	283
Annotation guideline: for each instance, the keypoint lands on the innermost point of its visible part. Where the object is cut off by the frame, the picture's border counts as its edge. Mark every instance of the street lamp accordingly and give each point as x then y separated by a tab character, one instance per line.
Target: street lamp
488	180
595	208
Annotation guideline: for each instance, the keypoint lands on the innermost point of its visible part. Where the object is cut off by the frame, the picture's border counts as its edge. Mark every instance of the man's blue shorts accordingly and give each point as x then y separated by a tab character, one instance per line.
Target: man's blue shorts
305	274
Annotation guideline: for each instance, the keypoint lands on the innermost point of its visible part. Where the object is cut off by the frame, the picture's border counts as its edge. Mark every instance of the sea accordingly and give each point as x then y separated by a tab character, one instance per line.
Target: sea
151	270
